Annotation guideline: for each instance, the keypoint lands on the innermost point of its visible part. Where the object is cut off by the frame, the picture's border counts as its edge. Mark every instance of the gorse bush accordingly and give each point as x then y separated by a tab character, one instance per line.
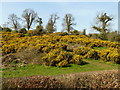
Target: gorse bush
57	57
82	50
93	54
54	47
77	59
110	55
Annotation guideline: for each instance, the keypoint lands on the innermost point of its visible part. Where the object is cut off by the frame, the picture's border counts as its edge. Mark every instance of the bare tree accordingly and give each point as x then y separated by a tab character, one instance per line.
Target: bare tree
29	15
5	25
68	22
103	22
14	21
50	28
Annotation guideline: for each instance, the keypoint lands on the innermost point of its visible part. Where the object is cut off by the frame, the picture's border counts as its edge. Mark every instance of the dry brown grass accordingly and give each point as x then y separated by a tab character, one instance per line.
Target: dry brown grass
95	79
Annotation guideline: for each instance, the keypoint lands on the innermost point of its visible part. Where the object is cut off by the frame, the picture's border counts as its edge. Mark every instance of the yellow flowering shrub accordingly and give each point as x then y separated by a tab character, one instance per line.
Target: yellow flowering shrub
103	54
82	50
93	54
62	63
114	57
56	57
54	46
9	35
110	54
77	59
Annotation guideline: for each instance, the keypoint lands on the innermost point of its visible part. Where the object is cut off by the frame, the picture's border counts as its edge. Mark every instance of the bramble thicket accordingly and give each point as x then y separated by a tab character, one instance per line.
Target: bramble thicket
54	48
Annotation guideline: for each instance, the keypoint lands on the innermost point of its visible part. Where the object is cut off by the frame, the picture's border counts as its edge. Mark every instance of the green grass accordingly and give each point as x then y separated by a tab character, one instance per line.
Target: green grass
100	48
29	70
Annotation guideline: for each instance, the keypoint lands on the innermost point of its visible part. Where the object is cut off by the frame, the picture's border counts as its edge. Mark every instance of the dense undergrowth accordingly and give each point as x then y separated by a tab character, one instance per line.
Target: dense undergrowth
57	50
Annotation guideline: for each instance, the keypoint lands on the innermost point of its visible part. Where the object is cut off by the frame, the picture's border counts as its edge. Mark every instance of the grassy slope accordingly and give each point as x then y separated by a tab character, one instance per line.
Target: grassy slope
30	70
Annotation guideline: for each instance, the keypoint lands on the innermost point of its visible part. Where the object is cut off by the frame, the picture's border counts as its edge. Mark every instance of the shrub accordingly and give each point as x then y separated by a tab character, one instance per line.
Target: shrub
58	34
62	63
117	38
38	31
49	58
77	59
75	32
103	54
23	30
82	50
110	55
64	56
50	46
103	36
114	57
64	33
13	42
94	44
57	57
93	54
6	30
9	48
30	32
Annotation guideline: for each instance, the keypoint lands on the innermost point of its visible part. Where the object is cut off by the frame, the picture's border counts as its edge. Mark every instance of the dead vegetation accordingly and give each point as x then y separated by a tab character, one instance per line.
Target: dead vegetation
95	79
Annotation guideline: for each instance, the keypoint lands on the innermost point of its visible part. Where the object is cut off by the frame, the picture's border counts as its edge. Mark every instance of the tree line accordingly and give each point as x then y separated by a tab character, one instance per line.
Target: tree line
29	17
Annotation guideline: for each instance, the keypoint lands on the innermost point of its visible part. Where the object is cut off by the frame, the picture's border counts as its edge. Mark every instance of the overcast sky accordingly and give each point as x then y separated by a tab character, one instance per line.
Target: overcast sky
83	12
